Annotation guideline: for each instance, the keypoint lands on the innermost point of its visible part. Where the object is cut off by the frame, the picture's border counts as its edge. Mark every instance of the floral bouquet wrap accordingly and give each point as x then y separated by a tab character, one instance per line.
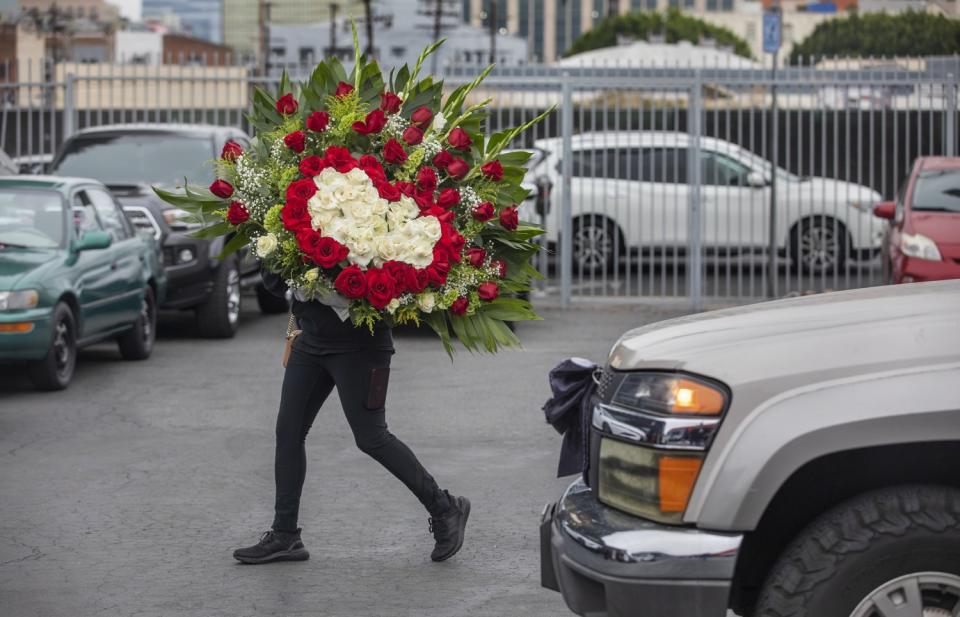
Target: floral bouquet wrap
386	193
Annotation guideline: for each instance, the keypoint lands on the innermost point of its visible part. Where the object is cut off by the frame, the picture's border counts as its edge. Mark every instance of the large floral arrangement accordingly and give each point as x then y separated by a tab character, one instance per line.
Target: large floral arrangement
385	192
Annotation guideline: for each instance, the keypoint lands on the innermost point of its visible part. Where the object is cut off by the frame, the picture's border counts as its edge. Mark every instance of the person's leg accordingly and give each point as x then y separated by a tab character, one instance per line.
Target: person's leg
306	385
361	379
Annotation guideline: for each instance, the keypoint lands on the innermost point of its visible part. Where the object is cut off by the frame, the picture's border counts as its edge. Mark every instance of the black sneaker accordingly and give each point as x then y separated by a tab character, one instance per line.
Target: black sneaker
448	529
274	546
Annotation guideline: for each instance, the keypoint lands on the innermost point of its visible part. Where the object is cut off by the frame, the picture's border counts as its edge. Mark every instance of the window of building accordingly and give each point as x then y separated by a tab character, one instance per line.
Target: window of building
306	55
398	51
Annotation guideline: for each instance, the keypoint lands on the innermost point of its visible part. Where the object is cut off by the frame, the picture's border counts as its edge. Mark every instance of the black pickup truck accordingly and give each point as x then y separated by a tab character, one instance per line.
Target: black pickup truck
130	159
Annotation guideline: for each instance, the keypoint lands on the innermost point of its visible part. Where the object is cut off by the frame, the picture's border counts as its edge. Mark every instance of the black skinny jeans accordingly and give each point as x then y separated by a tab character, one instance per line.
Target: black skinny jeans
307	383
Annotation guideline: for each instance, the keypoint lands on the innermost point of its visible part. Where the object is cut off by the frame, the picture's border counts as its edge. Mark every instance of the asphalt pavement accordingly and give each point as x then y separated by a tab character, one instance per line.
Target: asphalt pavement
126	494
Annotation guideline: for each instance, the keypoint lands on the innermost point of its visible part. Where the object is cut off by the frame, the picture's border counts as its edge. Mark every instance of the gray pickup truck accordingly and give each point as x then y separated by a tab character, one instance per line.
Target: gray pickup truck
791	458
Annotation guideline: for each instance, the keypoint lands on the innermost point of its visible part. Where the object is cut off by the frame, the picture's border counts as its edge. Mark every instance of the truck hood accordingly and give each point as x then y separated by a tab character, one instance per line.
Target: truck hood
801	340
17	264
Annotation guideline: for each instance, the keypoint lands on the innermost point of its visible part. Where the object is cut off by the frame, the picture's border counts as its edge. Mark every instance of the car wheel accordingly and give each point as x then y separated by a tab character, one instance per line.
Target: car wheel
55	370
594	244
819	245
891	552
137	344
269	303
219	316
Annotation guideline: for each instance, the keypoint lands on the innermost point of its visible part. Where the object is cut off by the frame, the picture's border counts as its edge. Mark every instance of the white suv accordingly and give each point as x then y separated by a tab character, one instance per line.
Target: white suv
630	194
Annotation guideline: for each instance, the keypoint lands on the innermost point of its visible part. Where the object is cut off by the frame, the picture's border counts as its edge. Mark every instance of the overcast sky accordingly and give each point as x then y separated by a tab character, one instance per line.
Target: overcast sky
128	8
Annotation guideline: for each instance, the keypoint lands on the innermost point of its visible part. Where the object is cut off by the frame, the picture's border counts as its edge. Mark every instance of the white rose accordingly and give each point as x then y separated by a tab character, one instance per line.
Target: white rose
324	219
361	252
311	275
357	209
431	227
266	245
339	229
427	301
390	247
439	121
393	306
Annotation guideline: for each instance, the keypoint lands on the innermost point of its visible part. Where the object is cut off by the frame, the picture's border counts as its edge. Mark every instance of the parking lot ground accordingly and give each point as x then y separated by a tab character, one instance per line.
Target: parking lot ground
126	494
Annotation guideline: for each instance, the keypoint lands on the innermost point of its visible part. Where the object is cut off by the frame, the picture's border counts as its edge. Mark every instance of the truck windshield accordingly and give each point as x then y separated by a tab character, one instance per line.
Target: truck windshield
139	158
937	191
31	218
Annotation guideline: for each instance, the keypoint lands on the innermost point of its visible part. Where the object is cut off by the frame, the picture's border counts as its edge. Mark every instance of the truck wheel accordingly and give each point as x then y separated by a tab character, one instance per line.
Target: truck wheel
269	303
55	371
891	552
219	316
137	343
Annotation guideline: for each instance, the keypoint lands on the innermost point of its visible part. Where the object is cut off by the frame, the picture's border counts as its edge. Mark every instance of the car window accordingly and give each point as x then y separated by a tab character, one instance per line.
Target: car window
31	218
84	214
110	215
721	170
937	191
593	163
139	158
663	165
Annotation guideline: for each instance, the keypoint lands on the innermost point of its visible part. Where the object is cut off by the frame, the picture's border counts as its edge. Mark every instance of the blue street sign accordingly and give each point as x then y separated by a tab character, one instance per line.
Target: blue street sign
772	31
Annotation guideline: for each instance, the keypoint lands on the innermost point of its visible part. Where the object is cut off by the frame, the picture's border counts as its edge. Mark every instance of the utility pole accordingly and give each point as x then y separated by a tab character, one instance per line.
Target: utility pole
492	17
368	12
265	6
333	29
443	16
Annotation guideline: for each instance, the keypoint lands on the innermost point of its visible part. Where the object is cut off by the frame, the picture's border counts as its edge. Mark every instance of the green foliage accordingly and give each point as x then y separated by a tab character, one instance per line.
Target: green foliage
673	24
881	35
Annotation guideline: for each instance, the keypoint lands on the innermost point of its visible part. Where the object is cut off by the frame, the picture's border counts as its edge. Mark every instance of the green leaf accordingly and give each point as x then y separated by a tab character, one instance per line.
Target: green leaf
516	158
217	229
403	77
509	309
236	243
438	323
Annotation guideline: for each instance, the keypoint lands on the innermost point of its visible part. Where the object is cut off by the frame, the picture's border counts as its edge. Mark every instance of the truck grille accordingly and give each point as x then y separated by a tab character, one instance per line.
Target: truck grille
141	218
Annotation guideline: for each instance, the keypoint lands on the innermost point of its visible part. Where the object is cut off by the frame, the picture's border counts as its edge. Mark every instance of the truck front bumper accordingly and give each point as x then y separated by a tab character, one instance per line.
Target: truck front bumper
607	563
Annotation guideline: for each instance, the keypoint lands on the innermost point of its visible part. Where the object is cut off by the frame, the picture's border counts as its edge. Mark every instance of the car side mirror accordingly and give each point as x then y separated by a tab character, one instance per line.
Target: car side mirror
93	240
756	179
885	210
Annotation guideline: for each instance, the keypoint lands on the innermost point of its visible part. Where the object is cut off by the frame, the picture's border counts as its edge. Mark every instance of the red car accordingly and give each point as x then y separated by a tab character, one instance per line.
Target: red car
924	239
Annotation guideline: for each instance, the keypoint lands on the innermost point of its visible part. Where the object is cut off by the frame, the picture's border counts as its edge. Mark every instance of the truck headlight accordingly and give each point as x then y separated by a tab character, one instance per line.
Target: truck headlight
669	394
18	300
919	247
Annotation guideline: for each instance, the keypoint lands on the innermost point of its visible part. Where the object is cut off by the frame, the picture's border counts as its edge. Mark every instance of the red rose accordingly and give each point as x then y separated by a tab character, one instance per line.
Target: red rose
296	141
380	288
404	276
351	283
237	213
438	270
501	267
488	291
287	105
393	152
388	191
457	168
390	103
427	179
509	218
308	239
318	121
312	165
483	211
448	198
421	117
295	214
476	255
459	139
459	306
406	188
412	135
340	159
452	241
444	216
328	252
221	188
343	89
372	167
373	123
493	170
423	279
302	189
442	159
231	150
423	198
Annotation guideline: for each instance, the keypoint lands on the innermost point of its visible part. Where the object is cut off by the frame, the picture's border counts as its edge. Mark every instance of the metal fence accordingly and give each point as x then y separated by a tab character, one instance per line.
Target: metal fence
703	184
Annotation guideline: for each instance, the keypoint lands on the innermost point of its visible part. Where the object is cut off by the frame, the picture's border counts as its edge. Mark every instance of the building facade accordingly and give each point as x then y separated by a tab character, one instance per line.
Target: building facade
202	19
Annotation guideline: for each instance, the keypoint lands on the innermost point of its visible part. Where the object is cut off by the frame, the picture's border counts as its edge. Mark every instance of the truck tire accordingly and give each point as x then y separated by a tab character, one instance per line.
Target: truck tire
137	343
219	316
889	552
270	304
55	370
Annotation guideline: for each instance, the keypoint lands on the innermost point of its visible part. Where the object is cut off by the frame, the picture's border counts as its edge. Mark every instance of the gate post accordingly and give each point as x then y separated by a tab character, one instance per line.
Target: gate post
950	126
69	106
695	245
566	207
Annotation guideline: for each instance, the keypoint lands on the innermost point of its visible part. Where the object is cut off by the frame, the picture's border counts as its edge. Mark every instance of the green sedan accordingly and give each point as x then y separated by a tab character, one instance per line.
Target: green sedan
73	272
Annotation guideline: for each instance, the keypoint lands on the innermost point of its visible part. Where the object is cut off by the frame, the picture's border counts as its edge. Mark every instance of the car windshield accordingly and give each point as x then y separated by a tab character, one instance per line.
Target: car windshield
937	191
31	218
135	158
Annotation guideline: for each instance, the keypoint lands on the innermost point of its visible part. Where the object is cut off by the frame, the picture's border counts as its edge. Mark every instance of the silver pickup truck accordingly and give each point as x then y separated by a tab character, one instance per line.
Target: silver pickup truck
791	458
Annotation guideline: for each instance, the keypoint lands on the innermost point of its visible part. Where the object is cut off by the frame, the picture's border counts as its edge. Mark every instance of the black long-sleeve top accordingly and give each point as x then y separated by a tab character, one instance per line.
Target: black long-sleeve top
323	332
